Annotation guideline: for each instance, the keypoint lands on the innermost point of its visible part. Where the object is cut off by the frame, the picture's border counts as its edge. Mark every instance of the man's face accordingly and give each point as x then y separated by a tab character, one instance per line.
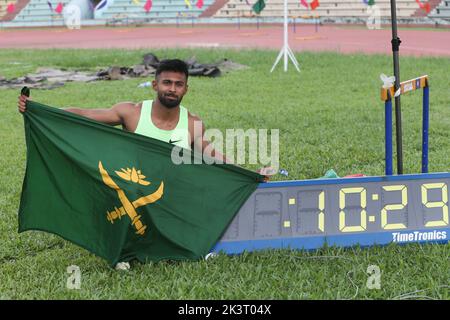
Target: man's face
171	87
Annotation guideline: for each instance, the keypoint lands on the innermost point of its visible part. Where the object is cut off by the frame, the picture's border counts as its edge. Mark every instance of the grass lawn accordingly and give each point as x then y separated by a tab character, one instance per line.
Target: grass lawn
330	116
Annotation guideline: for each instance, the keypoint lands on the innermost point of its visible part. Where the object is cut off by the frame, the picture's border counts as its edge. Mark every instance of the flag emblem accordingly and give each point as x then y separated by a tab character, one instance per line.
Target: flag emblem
129	207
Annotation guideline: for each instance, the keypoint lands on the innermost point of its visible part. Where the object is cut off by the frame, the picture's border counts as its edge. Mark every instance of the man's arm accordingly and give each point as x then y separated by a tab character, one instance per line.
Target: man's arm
197	131
200	143
112	116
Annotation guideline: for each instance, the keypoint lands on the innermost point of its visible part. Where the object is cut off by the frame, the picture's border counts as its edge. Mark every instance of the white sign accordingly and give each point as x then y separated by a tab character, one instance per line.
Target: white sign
72	16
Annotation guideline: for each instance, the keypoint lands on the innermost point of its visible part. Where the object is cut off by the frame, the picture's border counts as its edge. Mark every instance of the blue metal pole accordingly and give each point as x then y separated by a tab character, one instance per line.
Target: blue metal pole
425	128
388	136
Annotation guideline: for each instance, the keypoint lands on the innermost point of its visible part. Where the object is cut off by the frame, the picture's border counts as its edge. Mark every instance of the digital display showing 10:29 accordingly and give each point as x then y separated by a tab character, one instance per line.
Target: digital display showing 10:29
343	206
372	206
342	212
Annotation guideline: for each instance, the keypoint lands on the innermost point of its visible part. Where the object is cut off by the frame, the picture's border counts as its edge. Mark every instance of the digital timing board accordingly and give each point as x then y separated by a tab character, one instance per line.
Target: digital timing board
342	212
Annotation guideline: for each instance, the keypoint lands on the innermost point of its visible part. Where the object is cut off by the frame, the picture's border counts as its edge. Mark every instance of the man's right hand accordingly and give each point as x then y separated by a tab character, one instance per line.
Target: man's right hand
22	101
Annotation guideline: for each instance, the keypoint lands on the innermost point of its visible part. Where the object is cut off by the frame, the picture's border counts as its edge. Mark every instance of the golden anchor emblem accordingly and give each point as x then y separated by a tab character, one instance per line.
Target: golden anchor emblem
129	207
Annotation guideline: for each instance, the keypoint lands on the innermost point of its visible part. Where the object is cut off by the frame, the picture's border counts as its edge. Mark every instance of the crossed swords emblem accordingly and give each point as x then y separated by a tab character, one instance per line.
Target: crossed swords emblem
129	207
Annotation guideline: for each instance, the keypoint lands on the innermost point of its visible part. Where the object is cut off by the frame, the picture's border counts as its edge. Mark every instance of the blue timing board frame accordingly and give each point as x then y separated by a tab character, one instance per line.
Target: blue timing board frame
311	242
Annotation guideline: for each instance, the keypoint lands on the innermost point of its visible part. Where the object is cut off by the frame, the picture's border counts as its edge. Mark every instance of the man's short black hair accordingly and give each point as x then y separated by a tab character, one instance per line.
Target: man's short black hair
175	65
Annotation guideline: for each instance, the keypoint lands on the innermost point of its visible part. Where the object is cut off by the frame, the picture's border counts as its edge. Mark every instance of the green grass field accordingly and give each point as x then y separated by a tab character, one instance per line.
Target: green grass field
330	116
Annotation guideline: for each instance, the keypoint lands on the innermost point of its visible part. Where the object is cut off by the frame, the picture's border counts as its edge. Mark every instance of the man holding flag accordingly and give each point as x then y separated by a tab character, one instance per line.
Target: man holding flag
152	208
163	118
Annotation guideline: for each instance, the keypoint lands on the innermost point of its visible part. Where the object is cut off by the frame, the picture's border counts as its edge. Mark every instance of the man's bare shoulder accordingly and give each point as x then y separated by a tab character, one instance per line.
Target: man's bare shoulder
127	105
127	108
192	117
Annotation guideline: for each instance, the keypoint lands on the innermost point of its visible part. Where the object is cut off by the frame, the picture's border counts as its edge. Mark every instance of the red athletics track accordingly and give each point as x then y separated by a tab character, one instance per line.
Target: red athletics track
329	38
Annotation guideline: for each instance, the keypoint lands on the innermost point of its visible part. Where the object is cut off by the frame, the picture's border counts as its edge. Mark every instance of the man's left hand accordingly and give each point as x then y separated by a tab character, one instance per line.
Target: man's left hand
267	172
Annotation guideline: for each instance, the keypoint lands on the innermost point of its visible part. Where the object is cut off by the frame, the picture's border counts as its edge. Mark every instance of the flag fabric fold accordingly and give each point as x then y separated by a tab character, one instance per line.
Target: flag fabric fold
50	6
119	195
424	6
314	4
259	6
59	8
148	6
11	8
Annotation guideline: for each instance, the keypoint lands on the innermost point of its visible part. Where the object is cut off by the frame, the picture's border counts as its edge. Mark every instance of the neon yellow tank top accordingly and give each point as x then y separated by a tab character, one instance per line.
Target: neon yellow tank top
178	136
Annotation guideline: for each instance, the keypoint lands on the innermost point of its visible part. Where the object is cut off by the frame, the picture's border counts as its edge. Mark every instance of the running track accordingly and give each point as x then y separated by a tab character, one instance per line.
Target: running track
328	38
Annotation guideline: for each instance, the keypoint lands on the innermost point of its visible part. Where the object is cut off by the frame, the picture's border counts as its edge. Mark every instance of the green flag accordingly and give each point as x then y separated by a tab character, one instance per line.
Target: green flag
119	195
259	6
371	2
